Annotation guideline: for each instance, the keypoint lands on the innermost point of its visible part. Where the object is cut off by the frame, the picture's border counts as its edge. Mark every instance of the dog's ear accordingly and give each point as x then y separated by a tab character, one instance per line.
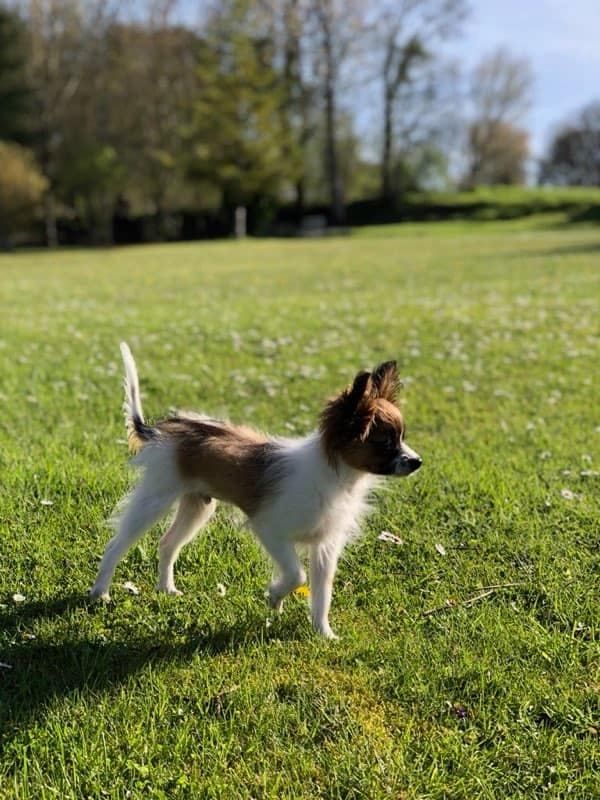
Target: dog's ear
386	382
348	416
361	391
359	408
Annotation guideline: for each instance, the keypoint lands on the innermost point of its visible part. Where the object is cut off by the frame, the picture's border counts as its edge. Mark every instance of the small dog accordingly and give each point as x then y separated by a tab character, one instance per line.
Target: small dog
310	491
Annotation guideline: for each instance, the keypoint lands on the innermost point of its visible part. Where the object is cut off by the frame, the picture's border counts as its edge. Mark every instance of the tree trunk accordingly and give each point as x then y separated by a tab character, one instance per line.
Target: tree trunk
386	156
336	189
300	198
50	220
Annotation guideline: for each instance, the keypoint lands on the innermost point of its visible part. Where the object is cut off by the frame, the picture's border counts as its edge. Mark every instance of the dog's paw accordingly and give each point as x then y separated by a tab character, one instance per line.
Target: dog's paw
97	593
172	590
274	600
325	631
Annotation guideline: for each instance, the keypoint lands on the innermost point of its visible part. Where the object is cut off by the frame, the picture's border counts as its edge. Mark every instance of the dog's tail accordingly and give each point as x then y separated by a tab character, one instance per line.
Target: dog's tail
138	433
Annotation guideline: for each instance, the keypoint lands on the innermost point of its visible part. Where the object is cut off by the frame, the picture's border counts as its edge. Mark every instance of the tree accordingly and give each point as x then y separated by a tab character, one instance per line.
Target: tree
408	34
500	94
499	153
66	65
574	154
22	187
339	26
290	24
239	141
15	95
89	182
153	84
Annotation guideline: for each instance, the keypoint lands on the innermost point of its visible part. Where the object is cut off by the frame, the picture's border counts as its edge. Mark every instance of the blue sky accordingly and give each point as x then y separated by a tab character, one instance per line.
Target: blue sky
561	38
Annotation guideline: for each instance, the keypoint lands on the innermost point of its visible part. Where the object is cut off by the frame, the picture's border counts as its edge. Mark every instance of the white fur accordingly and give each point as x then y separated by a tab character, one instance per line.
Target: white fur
317	505
132	405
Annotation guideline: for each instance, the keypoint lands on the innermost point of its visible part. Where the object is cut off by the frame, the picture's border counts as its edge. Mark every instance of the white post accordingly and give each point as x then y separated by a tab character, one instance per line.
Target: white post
240	222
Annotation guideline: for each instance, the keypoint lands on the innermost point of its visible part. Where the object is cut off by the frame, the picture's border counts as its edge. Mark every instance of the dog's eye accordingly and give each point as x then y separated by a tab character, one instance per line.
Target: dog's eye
385	439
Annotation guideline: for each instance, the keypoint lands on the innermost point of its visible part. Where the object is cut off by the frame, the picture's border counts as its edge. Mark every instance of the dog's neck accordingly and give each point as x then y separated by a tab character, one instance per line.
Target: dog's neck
346	476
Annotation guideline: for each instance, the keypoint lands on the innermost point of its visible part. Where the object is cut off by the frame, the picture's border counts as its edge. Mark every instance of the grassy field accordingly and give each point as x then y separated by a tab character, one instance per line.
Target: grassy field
468	663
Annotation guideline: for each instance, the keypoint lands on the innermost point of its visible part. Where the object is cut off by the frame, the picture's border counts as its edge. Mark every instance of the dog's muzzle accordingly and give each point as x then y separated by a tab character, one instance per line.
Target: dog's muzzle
408	461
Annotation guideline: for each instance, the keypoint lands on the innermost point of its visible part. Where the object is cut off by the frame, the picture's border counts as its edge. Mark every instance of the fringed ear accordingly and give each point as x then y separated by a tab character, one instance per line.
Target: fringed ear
361	390
386	382
348	416
359	406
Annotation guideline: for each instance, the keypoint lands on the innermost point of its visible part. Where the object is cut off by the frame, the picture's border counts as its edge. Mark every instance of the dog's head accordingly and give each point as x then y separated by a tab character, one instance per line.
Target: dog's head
363	425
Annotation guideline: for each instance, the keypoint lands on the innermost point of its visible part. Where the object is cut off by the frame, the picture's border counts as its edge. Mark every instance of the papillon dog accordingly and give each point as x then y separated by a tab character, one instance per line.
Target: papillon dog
309	491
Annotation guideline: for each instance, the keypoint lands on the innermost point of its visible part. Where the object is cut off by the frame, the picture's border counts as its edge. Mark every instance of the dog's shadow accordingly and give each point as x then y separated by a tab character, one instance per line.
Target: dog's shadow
34	672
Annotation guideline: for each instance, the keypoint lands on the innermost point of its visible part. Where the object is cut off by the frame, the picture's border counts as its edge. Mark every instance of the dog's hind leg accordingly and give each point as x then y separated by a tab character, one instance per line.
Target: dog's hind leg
143	508
193	513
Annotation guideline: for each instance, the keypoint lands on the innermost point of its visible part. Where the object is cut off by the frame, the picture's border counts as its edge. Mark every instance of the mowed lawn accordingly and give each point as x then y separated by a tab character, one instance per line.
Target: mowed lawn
468	660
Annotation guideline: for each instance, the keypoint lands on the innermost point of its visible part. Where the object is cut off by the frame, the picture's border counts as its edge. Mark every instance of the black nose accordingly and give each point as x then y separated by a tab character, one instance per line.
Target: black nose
414	463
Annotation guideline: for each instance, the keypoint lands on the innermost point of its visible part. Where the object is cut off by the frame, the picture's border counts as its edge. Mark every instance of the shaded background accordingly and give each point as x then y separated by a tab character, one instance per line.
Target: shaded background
141	120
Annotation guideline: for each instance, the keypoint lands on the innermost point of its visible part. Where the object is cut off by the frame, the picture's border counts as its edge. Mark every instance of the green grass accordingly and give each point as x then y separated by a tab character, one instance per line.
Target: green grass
208	696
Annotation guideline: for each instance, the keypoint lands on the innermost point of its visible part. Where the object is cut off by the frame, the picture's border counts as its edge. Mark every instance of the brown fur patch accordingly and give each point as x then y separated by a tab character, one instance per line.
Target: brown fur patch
231	460
134	441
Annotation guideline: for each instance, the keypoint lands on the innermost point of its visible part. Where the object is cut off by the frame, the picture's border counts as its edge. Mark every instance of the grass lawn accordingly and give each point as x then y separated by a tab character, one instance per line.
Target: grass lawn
441	685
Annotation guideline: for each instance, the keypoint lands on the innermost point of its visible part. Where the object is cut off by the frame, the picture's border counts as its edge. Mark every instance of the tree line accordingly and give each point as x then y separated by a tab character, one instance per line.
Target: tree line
115	109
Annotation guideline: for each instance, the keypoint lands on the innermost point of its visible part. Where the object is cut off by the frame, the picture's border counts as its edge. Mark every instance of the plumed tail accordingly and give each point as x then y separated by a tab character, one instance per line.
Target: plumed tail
138	433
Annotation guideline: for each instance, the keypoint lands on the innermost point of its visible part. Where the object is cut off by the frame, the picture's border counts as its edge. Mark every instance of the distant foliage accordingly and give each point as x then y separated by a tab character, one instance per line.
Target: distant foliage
499	153
497	145
22	187
15	95
574	155
238	141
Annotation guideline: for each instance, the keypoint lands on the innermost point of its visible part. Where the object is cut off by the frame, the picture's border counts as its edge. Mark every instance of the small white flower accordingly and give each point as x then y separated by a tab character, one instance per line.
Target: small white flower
545	455
18	598
131	587
441	549
567	494
221	590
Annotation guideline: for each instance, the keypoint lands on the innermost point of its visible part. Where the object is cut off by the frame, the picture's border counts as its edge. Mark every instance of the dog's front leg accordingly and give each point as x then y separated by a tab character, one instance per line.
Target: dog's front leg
323	564
290	573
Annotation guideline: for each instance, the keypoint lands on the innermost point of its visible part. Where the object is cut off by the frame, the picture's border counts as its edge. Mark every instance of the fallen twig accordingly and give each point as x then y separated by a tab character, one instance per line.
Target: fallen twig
502	585
469	601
